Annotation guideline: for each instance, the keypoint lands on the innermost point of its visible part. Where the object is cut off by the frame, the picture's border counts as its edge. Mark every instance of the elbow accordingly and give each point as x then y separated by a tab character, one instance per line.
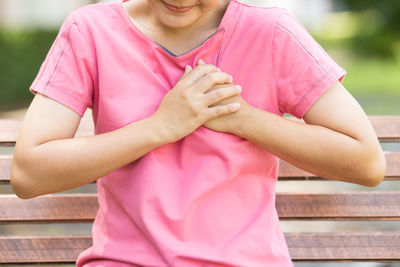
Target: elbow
20	182
18	186
375	171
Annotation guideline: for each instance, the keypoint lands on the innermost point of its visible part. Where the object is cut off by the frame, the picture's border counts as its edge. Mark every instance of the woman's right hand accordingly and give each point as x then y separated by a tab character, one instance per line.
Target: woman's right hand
187	105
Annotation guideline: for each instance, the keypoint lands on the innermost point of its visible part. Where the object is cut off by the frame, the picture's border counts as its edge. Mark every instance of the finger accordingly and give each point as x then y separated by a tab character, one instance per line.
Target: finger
217	86
221	93
211	79
196	73
220	110
188	68
201	62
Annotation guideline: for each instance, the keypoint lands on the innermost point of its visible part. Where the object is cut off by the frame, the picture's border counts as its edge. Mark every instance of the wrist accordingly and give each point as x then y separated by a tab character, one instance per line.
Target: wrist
159	134
163	134
244	116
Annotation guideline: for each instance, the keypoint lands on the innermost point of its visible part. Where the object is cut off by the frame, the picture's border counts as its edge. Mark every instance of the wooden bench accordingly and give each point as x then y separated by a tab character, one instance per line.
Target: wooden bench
61	217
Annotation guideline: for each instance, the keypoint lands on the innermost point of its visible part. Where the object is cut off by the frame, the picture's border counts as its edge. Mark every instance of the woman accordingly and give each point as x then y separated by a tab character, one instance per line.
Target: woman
187	100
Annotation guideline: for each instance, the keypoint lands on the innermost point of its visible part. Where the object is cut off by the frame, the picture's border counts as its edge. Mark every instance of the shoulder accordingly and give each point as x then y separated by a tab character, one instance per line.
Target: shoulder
259	18
95	16
99	10
257	15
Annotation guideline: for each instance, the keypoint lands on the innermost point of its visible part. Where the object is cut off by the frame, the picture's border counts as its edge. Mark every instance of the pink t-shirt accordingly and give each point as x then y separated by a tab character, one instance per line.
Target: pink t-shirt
208	199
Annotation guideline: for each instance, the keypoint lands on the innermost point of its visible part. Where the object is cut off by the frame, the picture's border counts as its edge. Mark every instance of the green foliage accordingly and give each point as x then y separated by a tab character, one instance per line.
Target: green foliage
373	76
21	55
385	40
373	81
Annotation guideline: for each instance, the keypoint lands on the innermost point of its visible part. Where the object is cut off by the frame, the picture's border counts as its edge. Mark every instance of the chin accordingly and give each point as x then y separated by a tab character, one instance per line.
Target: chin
171	20
175	23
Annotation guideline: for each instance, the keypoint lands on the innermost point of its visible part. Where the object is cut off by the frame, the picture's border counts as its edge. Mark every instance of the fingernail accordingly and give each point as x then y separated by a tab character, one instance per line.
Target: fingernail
188	68
201	61
235	106
239	88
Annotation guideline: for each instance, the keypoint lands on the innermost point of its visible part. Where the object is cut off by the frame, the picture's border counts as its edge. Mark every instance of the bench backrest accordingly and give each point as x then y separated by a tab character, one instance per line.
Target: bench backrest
65	218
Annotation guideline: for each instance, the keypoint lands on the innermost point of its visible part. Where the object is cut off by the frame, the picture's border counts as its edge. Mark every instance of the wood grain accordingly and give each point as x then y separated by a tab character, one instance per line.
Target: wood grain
49	208
375	246
345	246
42	249
339	206
332	206
387	128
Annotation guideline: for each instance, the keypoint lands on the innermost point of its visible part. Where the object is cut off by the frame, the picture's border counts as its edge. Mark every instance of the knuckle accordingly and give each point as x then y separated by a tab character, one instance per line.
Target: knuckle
220	111
219	94
210	67
204	68
212	77
184	95
195	108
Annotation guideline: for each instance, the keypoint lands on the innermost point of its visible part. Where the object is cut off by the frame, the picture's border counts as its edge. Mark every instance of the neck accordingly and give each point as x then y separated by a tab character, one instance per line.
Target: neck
208	23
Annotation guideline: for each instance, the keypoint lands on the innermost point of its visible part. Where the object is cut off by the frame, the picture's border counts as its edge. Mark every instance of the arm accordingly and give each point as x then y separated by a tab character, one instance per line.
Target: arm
48	159
337	142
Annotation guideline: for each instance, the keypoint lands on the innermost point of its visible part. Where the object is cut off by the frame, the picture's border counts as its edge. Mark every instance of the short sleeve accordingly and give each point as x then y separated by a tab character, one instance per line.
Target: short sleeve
66	73
303	71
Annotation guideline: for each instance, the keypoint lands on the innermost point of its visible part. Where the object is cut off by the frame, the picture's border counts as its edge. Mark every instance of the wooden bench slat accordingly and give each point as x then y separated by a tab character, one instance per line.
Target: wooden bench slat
336	206
332	206
9	131
387	128
5	166
302	247
286	170
344	246
71	207
290	172
42	249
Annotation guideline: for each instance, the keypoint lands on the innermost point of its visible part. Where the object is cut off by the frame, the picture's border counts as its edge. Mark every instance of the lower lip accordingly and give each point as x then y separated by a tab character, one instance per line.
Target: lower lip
175	9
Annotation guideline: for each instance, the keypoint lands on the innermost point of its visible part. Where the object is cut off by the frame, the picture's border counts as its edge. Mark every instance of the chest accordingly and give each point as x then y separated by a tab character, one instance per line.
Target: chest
133	81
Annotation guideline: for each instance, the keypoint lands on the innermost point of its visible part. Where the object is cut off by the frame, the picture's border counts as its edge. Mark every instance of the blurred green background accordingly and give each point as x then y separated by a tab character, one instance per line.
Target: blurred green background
362	36
21	53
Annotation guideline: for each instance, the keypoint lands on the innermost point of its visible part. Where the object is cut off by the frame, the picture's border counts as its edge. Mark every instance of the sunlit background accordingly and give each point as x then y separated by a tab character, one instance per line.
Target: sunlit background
363	36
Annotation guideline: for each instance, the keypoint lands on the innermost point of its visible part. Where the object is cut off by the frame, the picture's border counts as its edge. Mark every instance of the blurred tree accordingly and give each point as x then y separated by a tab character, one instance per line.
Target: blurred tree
21	54
385	41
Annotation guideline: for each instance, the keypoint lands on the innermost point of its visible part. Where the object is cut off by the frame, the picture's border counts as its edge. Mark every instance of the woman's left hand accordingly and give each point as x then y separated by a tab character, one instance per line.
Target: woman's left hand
232	122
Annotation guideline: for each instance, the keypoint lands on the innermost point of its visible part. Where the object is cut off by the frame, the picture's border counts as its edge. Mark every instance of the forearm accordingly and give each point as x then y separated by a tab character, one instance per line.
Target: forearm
317	149
64	164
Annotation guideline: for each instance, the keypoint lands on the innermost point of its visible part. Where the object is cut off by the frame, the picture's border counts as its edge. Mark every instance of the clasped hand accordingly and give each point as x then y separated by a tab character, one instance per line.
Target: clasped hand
228	122
203	95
